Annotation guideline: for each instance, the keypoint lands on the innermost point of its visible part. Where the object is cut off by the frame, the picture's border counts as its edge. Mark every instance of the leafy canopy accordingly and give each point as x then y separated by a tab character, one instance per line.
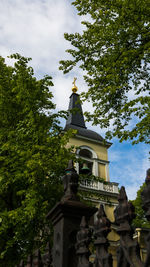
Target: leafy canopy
32	158
140	221
114	52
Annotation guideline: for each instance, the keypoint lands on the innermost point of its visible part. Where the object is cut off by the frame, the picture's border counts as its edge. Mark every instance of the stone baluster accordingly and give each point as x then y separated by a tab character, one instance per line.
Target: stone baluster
128	252
145	195
37	262
47	257
82	245
101	230
29	261
21	264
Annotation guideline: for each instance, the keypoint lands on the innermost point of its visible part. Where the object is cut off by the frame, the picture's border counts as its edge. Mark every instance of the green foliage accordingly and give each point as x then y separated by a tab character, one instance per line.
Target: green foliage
32	158
114	52
140	220
91	177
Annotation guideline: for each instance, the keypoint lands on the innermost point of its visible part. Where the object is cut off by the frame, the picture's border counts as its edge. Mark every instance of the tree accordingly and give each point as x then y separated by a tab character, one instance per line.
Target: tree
32	158
114	52
140	220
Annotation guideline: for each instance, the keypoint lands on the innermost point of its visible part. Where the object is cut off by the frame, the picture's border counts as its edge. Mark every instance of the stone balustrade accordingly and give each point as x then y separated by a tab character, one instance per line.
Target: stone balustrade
100	186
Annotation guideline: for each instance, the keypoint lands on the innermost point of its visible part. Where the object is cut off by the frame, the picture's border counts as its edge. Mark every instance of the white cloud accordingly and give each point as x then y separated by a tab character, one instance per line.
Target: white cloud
36	28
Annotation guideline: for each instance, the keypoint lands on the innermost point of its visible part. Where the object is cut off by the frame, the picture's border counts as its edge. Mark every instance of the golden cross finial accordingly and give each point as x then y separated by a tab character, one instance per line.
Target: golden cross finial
74	88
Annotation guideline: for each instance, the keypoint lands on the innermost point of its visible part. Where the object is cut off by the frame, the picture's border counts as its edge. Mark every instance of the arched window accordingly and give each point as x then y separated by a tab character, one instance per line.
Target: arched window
89	164
85	153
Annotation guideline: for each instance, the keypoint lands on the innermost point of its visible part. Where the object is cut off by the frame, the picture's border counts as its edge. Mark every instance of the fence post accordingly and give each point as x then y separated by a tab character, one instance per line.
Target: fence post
128	253
66	217
145	195
101	230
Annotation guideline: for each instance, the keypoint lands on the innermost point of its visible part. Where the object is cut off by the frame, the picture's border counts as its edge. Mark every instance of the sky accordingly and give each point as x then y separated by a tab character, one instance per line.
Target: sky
36	29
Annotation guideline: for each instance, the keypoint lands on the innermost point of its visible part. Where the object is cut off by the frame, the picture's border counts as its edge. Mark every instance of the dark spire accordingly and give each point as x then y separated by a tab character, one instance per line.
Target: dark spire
76	115
76	119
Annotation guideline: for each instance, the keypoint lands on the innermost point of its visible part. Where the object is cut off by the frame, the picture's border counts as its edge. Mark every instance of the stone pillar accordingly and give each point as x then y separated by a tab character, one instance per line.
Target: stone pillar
66	217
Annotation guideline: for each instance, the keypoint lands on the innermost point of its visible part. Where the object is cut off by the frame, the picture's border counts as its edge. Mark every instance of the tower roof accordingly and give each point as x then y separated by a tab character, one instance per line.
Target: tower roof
76	121
76	115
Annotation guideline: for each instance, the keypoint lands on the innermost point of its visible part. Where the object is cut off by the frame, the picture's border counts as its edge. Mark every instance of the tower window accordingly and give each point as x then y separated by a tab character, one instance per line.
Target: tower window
89	165
85	153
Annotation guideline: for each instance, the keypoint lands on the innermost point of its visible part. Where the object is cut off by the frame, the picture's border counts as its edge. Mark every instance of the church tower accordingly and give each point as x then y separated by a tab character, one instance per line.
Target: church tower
92	149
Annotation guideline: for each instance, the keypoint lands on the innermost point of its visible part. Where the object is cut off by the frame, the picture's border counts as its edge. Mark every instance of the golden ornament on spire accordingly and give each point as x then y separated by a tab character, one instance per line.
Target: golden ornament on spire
74	88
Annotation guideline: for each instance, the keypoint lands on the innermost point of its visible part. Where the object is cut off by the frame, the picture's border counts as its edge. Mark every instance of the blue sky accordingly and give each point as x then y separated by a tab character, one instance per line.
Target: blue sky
35	29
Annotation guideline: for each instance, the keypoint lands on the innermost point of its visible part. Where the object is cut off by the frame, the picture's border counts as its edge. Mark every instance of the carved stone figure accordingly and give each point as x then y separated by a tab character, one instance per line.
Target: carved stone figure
70	182
101	230
128	253
82	245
